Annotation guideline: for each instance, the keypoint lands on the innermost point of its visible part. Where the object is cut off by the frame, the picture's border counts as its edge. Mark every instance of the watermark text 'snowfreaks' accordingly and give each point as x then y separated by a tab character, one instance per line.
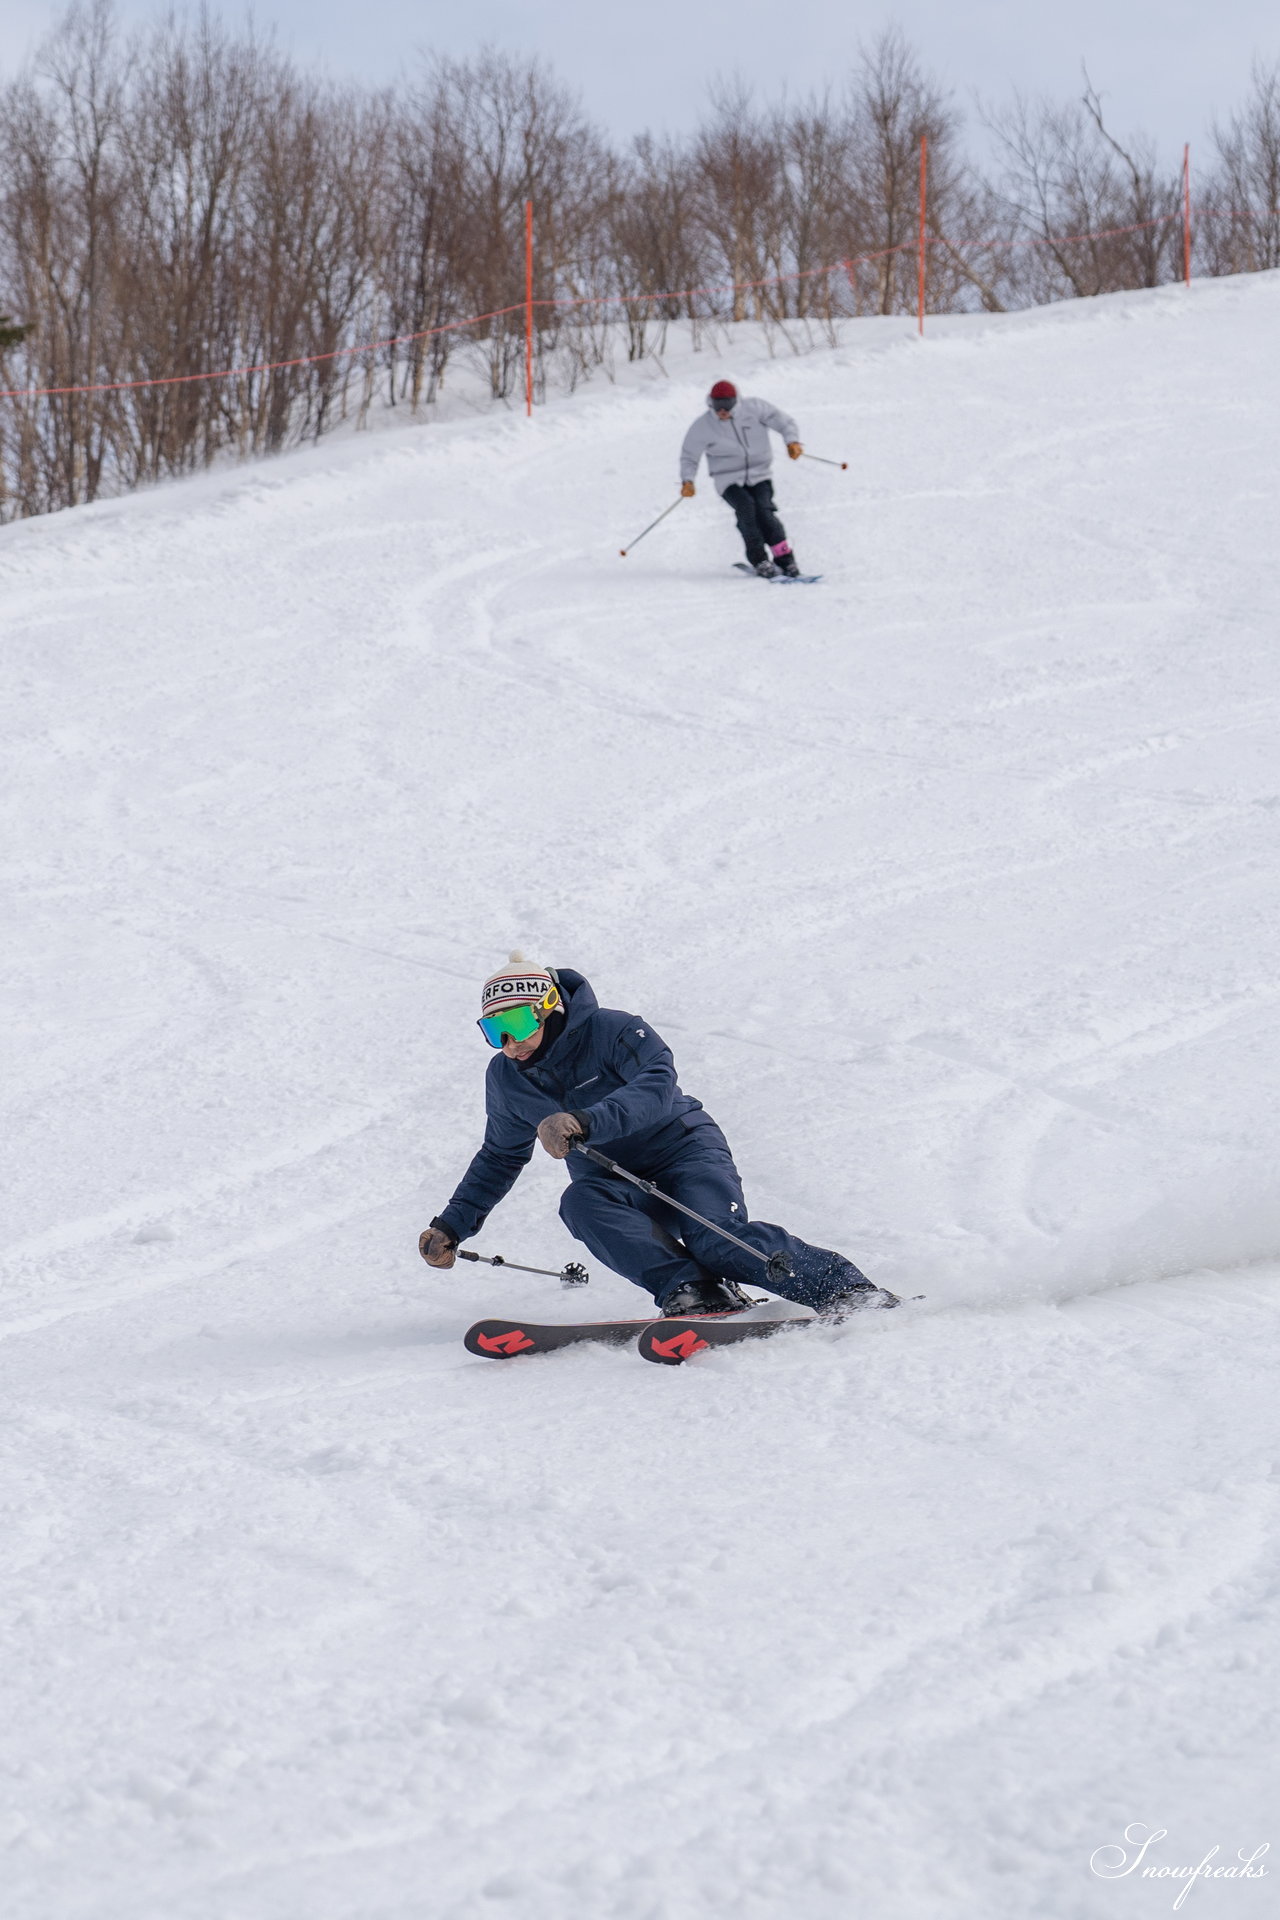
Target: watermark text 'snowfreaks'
1116	1862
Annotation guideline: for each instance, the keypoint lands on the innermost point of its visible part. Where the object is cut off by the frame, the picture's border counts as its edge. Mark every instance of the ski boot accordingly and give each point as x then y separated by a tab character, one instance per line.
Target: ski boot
704	1296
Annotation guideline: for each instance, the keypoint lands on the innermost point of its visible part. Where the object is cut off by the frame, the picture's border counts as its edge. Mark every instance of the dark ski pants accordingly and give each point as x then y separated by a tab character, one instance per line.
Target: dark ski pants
659	1249
758	521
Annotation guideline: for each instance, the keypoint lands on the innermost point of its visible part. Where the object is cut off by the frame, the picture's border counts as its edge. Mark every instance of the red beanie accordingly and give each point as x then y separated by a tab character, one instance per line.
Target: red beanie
724	390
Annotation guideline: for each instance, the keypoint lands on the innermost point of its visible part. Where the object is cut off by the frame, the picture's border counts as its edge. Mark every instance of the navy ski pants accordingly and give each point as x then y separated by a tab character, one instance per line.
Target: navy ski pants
660	1249
758	521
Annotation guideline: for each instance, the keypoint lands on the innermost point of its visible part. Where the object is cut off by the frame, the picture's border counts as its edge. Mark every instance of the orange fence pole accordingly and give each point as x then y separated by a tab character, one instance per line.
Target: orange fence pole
1186	213
924	181
528	308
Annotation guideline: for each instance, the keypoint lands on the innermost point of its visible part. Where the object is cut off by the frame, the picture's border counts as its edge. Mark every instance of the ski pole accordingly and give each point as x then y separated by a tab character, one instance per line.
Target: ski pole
624	551
776	1264
571	1276
824	462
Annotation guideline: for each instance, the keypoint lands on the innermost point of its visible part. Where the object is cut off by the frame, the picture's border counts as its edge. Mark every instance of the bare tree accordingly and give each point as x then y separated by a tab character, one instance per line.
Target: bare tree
500	131
1243	216
814	144
893	106
425	240
170	209
183	166
59	220
1092	214
738	183
656	239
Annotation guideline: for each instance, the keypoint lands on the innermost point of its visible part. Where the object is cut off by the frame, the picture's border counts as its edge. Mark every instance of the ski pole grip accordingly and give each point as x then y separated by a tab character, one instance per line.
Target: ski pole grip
593	1153
462	1254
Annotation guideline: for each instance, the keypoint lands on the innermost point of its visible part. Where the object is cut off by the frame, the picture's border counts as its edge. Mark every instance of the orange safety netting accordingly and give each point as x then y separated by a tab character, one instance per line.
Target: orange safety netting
609	299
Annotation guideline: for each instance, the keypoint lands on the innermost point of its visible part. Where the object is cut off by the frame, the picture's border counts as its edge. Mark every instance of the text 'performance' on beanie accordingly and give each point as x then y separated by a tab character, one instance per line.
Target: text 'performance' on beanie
514	984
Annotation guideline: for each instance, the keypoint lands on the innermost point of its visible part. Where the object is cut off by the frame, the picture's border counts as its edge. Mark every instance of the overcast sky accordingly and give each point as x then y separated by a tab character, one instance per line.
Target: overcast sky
1168	67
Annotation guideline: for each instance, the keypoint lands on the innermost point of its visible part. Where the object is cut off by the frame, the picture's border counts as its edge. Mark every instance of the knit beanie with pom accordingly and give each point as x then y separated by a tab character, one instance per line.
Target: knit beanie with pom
516	984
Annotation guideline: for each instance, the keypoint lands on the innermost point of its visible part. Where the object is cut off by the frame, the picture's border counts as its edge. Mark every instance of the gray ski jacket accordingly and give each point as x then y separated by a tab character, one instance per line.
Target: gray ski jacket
739	451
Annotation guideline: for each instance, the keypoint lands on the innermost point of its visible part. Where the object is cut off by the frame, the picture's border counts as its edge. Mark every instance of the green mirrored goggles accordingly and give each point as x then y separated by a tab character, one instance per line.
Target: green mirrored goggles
517	1023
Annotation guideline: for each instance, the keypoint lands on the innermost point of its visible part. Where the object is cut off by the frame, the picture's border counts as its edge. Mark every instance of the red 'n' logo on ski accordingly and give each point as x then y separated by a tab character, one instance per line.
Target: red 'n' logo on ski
681	1346
514	1342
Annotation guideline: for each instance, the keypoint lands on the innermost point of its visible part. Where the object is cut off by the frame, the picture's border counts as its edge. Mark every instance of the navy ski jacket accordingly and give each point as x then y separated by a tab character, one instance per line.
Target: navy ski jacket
610	1069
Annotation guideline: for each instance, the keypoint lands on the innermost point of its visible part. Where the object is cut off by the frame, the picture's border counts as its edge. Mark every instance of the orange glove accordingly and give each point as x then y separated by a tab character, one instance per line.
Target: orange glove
794	449
687	490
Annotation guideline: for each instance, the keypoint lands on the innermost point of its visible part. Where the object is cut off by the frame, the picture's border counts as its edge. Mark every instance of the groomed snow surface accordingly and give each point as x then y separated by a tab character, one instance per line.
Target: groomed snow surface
951	882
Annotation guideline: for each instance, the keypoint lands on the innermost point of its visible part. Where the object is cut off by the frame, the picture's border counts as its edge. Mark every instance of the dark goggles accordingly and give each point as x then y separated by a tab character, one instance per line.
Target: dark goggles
517	1023
723	403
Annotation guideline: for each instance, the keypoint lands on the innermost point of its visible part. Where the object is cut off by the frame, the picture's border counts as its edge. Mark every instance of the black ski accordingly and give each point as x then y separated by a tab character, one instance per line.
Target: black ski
779	579
671	1342
507	1339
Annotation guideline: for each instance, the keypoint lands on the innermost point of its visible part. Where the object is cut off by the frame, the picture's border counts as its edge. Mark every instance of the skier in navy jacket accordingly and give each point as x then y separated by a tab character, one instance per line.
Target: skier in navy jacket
566	1069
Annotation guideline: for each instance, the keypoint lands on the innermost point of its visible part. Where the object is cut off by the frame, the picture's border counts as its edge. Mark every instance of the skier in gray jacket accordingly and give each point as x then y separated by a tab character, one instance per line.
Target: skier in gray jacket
734	435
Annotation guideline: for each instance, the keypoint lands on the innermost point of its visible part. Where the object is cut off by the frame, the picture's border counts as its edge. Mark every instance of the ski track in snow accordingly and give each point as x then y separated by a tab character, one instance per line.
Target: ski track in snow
953	887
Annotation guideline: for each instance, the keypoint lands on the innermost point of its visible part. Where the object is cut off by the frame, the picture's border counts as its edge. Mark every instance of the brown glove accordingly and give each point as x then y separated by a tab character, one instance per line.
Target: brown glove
687	489
557	1134
794	449
437	1247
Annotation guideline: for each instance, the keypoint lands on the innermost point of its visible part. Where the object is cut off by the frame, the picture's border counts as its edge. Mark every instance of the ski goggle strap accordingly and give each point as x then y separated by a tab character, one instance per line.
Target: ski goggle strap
519	1022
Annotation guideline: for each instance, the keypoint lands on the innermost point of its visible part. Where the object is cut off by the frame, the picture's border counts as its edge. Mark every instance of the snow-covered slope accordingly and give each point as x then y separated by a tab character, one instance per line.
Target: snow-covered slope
951	881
